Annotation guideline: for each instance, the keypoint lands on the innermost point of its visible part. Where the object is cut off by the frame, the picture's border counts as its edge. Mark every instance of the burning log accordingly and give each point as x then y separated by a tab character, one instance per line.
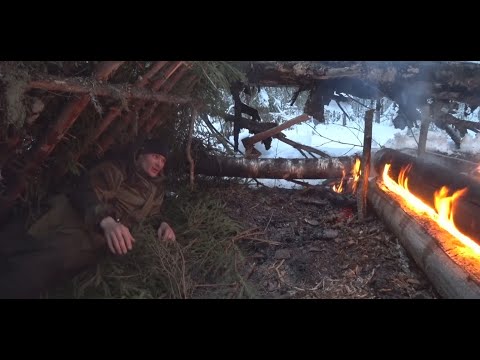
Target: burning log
457	278
426	178
274	168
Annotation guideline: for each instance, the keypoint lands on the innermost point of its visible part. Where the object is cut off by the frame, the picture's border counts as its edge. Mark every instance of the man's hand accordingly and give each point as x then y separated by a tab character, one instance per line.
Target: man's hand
166	233
119	239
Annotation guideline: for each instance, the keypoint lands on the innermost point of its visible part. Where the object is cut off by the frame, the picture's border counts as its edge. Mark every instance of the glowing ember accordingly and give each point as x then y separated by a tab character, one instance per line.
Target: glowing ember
444	205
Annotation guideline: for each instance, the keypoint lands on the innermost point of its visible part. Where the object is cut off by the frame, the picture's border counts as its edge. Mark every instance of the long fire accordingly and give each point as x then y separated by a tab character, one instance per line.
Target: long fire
444	205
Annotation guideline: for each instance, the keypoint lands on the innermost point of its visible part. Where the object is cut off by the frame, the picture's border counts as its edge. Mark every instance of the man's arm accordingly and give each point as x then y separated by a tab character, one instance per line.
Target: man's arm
94	200
164	230
98	188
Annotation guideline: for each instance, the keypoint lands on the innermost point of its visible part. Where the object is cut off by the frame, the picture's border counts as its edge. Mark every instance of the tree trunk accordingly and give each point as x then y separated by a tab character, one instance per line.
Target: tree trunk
398	80
378	111
365	166
274	168
422	141
449	278
425	178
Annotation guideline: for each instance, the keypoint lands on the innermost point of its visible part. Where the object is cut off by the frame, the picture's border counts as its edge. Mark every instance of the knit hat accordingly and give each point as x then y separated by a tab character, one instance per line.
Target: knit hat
155	146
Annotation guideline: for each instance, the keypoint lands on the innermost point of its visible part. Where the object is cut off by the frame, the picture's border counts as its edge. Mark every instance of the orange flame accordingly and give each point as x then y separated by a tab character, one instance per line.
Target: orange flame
355	175
339	188
444	205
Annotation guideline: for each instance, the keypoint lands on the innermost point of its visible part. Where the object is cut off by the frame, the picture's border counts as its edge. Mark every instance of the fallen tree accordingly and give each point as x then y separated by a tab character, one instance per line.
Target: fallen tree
410	84
443	80
274	168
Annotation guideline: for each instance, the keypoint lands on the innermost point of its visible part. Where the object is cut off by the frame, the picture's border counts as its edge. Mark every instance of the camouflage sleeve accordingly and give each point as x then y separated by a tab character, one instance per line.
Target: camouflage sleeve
96	192
156	211
156	214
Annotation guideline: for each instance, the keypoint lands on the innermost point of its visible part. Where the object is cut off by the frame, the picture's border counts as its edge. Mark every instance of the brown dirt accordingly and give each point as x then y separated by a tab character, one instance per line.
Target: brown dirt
323	251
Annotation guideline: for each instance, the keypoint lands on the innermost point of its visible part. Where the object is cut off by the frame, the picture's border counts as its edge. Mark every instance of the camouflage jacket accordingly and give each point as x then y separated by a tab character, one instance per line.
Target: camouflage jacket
113	189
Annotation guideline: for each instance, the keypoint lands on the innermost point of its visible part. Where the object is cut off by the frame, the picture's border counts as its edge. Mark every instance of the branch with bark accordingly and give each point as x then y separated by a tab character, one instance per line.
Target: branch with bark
189	148
249	142
96	88
226	144
282	137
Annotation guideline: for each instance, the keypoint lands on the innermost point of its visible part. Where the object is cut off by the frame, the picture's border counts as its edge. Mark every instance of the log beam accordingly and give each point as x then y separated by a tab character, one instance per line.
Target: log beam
405	82
112	114
158	83
65	120
92	87
274	168
147	124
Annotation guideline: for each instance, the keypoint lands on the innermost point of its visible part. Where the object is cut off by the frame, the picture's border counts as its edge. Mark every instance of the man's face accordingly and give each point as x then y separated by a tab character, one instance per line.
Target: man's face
152	164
